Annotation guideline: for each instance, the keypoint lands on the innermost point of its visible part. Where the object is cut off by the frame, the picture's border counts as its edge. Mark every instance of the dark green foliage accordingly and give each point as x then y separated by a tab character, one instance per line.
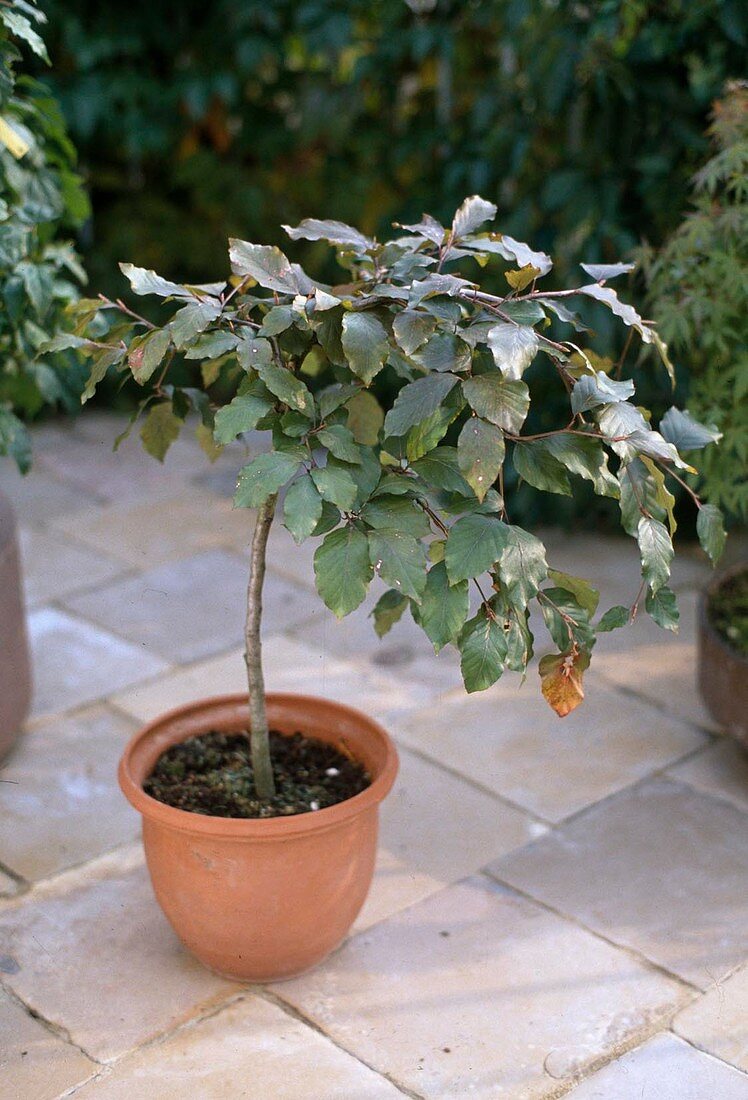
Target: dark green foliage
369	473
41	200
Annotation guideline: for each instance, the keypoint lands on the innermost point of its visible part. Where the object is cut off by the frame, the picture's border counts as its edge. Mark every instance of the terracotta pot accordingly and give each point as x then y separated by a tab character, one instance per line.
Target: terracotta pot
723	673
15	664
263	899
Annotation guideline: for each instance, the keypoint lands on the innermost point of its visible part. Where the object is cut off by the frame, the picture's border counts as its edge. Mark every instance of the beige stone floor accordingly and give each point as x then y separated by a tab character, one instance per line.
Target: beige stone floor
559	909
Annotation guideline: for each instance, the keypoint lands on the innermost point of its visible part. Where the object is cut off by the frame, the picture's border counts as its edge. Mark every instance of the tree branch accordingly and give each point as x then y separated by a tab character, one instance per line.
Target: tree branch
258	724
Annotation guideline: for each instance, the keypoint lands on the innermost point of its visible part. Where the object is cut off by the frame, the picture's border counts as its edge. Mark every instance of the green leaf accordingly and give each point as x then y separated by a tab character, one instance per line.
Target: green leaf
365	344
585	595
330	518
19	26
211	345
146	353
332	397
388	610
711	531
534	462
191	320
627	313
483	649
685	433
585	457
312	229
15	440
591	391
241	415
480	452
474	545
269	267
440	470
262	477
365	417
302	508
474	211
396	513
287	387
423	437
495	398
144	281
613	619
342	570
253	352
522	564
400	560
417	401
160	429
444	352
640	493
444	608
567	621
601	272
336	485
277	320
663	608
207	443
513	348
412	329
656	552
340	442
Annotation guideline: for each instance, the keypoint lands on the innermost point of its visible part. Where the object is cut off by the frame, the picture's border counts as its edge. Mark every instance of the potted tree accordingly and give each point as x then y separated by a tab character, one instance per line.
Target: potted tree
723	650
395	404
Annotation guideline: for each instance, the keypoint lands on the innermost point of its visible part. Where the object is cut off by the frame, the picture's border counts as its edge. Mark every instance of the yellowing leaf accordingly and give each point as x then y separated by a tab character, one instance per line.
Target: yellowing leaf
522	278
561	680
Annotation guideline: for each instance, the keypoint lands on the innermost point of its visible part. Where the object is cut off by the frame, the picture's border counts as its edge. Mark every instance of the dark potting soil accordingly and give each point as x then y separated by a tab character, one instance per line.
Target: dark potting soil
728	611
212	774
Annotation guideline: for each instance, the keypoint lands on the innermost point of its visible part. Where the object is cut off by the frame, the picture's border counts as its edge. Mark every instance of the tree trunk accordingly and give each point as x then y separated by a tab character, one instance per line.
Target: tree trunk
258	723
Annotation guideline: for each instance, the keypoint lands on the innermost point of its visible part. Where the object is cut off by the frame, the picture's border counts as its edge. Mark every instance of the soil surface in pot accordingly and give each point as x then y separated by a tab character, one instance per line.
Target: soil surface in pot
728	611
212	774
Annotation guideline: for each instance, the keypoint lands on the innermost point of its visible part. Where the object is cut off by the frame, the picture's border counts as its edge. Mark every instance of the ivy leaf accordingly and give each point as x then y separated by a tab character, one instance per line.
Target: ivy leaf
417	401
312	229
474	211
412	329
365	417
336	485
513	348
287	387
146	353
482	650
601	272
711	531
474	545
241	415
365	344
400	561
495	398
396	513
444	352
143	281
656	550
534	462
593	390
269	267
262	477
522	564
663	608
613	619
585	595
480	453
342	570
302	508
388	610
444	608
679	428
340	442
160	429
561	680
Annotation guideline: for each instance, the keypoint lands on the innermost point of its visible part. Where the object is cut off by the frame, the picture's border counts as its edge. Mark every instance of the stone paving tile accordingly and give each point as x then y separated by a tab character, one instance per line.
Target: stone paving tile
249	1049
191	609
509	740
289	666
479	992
664	1069
424	850
144	535
54	567
721	770
659	868
34	1063
718	1021
92	953
76	663
8	886
37	497
59	799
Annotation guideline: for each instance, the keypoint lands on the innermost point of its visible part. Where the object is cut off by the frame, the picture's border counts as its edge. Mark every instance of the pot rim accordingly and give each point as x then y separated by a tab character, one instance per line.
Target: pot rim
270	828
706	623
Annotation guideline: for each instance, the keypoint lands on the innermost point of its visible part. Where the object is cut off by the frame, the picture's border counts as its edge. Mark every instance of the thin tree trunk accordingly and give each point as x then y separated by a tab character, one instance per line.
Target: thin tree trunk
258	723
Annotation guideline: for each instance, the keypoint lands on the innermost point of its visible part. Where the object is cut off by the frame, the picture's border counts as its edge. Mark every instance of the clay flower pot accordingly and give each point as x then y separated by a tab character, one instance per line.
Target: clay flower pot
263	899
723	672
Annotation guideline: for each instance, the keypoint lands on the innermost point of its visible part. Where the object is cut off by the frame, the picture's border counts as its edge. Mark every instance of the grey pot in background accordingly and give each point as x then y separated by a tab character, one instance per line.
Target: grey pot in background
15	662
